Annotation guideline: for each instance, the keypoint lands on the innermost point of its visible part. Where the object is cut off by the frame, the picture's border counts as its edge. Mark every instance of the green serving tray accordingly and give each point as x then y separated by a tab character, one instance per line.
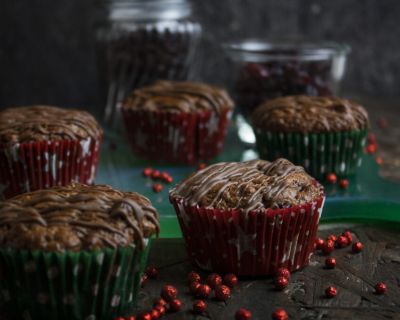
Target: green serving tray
369	197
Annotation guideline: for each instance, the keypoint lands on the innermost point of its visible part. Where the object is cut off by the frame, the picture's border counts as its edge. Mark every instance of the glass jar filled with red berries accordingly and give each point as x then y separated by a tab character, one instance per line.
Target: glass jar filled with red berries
265	70
142	41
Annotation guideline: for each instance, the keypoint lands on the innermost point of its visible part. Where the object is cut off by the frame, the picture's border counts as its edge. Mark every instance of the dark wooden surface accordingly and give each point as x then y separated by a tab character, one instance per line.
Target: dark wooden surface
354	277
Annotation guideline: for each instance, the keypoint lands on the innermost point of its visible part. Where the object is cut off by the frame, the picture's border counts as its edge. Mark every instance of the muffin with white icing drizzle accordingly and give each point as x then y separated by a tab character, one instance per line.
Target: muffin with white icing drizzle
249	218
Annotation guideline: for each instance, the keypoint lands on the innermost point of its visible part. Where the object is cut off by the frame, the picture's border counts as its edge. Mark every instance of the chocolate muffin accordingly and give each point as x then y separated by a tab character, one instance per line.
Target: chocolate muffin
74	252
249	218
324	134
178	122
44	146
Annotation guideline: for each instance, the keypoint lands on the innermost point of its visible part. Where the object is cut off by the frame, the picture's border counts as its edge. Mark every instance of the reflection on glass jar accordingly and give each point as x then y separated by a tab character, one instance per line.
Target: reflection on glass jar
269	69
144	41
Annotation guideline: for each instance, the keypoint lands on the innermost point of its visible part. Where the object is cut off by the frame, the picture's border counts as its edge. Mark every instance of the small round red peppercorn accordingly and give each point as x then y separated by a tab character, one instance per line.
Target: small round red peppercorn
144	316
161	309
203	291
151	272
279	314
380	288
357	247
168	292
164	175
243	314
332	237
342	241
199	306
230	280
281	283
214	280
157	187
201	166
222	293
331	178
330	292
283	272
193	277
147	172
155	174
144	280
175	305
330	263
344	184
319	243
348	235
169	179
194	287
371	148
328	247
159	302
155	314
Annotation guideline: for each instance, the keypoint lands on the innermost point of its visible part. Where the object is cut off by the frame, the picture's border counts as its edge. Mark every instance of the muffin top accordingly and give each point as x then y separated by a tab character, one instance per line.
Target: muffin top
251	185
76	217
42	123
171	96
307	114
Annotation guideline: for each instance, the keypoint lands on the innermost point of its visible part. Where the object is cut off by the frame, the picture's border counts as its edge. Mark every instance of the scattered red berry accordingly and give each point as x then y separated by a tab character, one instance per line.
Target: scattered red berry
161	309
281	283
194	288
147	172
379	160
342	241
380	288
169	179
279	314
243	314
331	178
371	138
371	148
156	174
193	277
332	237
203	291
199	306
382	123
144	316
344	183
160	302
214	280
348	235
330	292
144	280
151	272
283	272
357	247
222	293
169	292
328	247
201	166
319	243
175	305
330	263
155	314
230	280
157	187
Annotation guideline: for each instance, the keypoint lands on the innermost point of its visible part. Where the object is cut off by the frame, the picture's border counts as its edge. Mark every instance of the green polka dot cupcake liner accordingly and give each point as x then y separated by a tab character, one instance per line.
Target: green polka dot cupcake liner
97	285
318	153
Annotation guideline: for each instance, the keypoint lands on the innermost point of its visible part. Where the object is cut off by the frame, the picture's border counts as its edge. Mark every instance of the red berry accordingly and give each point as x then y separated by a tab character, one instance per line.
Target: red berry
201	166
159	302
348	235
331	178
371	138
161	309
214	280
144	280
344	183
147	172
281	283
330	292
279	314
230	280
371	148
382	123
155	174
157	187
319	243
332	237
144	316
222	293
242	314
155	314
357	247
203	291
151	272
380	288
193	277
379	161
175	305
169	179
169	292
199	306
342	241
283	272
194	287
330	263
328	247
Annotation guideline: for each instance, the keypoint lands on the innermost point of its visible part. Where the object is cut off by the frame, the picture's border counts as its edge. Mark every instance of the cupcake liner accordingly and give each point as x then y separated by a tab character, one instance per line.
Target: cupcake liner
176	137
252	244
318	153
31	166
98	285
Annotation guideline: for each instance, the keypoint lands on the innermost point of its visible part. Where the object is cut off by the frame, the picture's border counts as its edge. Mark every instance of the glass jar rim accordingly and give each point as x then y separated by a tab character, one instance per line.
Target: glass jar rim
257	49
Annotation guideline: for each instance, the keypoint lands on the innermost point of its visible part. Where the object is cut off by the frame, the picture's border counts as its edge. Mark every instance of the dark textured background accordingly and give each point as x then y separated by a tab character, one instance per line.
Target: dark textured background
47	47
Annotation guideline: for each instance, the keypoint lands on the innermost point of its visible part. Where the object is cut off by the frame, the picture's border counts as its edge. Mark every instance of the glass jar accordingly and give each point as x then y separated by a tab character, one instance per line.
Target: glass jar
264	70
144	41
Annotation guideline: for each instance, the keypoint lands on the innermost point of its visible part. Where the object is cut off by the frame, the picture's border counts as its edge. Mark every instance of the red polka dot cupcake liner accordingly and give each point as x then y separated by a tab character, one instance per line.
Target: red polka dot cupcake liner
26	167
181	138
252	244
